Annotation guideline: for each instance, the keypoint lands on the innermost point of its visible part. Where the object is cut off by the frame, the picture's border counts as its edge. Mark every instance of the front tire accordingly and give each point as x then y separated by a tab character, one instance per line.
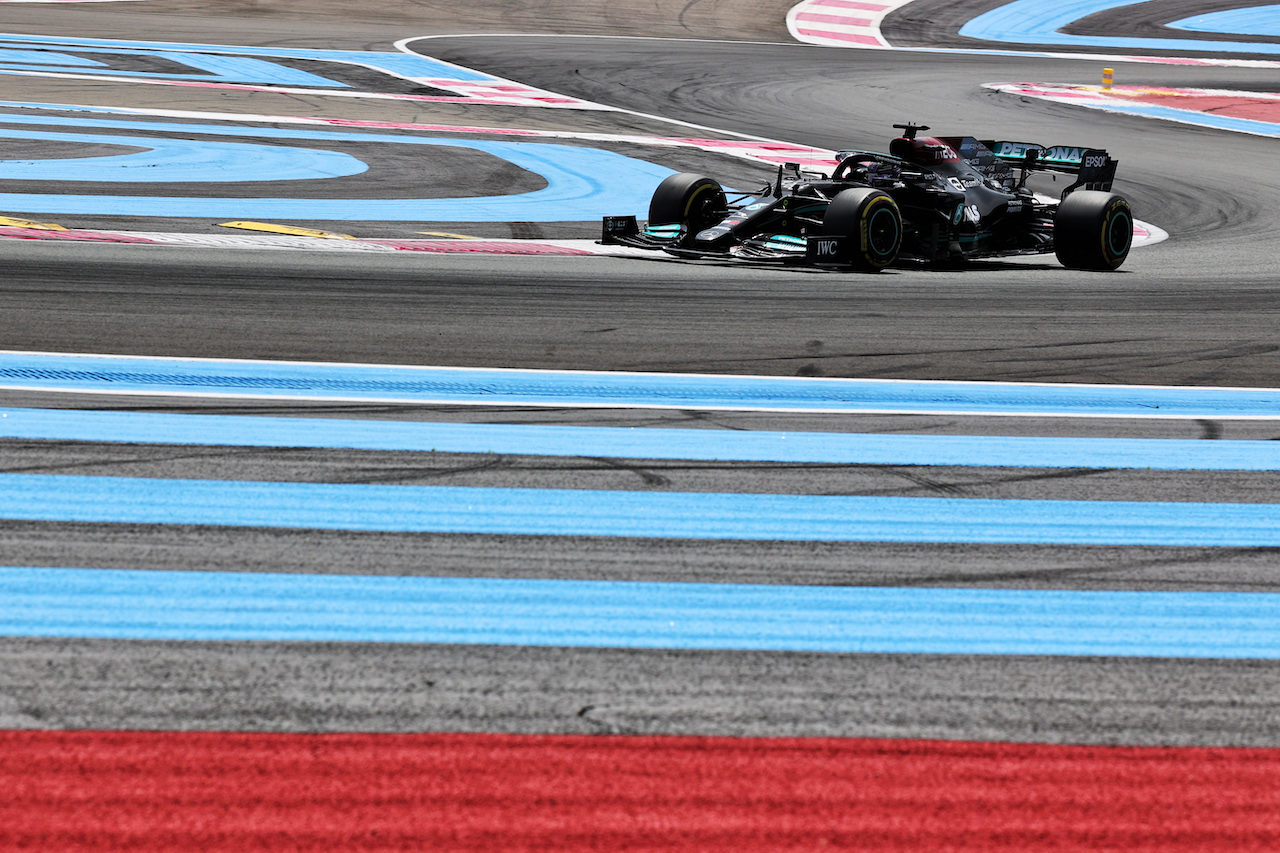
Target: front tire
694	202
870	219
1092	230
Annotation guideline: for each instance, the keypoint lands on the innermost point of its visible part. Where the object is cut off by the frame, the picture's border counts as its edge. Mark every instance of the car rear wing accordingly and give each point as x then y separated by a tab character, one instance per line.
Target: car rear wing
1094	168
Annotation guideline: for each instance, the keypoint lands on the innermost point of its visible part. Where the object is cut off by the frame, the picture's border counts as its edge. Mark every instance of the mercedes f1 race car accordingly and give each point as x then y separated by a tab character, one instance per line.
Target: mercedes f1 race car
930	199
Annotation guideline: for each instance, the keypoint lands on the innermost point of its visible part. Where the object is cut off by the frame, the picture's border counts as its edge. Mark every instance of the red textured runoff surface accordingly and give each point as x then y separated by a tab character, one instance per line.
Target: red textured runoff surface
84	790
1236	106
68	234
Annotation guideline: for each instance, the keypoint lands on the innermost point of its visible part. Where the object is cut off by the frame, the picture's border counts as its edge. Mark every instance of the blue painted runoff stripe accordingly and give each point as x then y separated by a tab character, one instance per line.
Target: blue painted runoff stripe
178	160
21	56
1254	21
403	64
1038	22
648	443
582	183
678	515
213	67
99	374
221	606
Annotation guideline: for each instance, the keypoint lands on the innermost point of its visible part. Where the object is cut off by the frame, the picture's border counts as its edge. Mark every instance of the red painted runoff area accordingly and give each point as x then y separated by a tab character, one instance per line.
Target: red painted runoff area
22	233
1236	106
145	791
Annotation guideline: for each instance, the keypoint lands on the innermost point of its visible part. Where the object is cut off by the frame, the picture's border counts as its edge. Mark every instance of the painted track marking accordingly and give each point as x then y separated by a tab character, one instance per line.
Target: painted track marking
280	380
1040	22
240	67
580	793
1256	21
238	606
582	183
855	24
1256	113
171	160
828	448
651	515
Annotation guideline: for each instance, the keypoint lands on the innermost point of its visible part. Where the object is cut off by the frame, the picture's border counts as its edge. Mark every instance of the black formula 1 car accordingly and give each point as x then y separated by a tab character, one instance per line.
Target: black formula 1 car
930	199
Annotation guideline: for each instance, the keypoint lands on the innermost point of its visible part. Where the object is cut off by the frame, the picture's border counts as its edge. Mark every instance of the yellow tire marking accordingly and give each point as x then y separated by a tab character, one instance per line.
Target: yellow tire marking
27	223
287	229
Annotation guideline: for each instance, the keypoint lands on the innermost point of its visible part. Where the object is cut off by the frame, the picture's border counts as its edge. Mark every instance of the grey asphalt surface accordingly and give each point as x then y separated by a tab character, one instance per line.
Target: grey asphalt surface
1163	319
1198	310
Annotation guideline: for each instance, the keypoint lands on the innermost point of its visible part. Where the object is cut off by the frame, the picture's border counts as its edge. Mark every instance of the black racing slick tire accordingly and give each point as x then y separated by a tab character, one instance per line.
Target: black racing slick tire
870	219
1092	230
694	202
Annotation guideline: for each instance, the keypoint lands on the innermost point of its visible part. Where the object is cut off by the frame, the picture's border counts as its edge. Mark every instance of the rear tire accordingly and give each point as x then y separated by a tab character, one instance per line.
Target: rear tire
694	202
871	220
1092	230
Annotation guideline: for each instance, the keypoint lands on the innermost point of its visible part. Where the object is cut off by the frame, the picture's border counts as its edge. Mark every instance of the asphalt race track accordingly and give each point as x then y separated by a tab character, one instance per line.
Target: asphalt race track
1052	627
